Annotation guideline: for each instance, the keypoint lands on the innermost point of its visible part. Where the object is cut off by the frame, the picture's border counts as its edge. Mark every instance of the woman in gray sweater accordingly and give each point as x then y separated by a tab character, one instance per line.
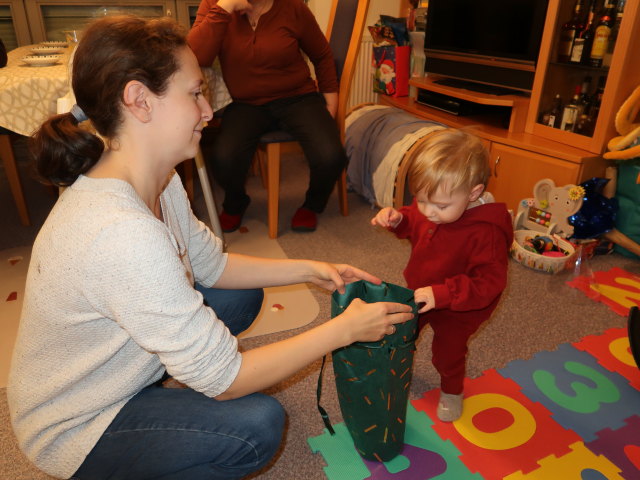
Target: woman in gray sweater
111	306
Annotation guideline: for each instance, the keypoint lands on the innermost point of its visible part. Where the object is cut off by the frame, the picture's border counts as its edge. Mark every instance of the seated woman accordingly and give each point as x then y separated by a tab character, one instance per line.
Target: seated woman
260	44
110	304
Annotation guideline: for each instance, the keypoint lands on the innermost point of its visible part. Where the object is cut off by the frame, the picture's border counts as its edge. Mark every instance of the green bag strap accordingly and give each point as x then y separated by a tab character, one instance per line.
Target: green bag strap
323	412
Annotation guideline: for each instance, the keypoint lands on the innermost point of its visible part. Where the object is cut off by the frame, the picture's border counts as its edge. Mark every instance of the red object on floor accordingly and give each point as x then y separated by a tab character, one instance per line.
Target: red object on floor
12	297
230	223
304	220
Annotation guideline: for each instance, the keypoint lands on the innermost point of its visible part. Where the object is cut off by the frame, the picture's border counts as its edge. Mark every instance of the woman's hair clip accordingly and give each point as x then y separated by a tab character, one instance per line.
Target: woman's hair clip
78	113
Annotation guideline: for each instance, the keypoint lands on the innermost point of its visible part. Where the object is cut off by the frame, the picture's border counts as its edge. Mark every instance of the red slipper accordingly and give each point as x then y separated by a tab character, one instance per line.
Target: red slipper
229	223
304	220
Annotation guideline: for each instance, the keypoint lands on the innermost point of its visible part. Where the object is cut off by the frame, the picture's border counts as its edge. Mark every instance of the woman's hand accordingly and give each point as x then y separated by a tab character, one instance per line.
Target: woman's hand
425	296
387	217
370	322
235	5
334	276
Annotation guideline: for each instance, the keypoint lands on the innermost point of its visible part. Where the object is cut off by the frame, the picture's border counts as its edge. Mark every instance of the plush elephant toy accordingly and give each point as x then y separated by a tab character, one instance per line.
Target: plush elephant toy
560	202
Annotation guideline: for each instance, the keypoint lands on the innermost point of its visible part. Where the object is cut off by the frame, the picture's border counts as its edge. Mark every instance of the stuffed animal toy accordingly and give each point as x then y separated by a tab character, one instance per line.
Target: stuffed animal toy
627	145
625	149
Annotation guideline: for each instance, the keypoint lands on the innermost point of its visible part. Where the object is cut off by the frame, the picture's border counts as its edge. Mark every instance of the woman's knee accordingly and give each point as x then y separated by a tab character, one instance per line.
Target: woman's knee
267	418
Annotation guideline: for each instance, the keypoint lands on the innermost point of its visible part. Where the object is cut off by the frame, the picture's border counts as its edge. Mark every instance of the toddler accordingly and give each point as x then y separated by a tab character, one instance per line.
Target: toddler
460	244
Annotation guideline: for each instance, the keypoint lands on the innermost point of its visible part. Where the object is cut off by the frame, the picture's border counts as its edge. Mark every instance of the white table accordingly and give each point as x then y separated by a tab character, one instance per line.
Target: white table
28	94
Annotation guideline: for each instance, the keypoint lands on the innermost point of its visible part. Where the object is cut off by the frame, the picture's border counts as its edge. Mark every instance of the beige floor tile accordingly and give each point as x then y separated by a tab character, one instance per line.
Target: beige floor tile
14	263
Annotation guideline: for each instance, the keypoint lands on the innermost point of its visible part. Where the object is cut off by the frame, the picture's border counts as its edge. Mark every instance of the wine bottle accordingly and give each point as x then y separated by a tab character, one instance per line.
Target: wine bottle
551	117
606	61
584	103
569	30
570	112
584	126
602	34
583	37
597	100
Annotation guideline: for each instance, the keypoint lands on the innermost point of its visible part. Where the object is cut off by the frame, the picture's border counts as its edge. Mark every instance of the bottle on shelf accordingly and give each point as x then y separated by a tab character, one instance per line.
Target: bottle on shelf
597	100
569	30
606	61
552	116
602	34
584	102
570	112
584	126
581	48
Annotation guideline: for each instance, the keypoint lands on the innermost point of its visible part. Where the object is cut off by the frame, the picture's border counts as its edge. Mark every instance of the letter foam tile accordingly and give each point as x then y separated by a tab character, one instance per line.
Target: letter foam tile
582	395
580	464
501	431
425	455
616	288
613	352
621	446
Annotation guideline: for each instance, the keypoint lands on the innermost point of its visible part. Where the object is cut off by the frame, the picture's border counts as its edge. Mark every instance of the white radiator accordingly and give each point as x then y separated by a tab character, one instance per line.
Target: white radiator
362	83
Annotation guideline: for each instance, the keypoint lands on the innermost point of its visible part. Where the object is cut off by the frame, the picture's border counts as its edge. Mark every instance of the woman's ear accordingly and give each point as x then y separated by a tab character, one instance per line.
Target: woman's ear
136	98
476	192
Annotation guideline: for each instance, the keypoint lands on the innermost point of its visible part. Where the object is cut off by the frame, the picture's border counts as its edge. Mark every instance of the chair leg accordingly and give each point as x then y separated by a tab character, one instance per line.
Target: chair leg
207	192
342	193
9	162
273	186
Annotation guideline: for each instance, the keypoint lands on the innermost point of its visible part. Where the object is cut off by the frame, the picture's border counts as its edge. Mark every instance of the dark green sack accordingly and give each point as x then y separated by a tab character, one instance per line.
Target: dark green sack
373	378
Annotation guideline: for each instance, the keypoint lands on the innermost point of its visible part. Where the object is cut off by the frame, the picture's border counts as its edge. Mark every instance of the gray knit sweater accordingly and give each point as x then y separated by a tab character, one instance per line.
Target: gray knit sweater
109	304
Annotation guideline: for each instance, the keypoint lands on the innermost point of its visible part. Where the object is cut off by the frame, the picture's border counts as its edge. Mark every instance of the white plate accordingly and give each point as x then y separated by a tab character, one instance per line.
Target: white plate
41	60
46	50
56	43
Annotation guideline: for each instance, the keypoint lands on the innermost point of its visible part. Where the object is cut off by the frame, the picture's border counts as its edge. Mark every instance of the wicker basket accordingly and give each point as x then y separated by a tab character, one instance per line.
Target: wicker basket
537	261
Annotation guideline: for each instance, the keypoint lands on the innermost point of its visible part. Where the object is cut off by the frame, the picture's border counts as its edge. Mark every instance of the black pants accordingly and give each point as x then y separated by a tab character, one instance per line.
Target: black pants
306	118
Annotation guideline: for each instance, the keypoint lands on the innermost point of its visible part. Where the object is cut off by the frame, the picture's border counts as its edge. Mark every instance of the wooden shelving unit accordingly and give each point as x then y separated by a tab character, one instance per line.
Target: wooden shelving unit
523	151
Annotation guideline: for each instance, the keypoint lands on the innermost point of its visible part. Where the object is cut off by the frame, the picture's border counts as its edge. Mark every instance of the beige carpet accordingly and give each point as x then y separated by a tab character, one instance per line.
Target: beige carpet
284	308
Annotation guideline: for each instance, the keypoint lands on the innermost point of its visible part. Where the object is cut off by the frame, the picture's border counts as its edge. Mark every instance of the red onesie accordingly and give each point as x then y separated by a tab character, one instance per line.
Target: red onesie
465	262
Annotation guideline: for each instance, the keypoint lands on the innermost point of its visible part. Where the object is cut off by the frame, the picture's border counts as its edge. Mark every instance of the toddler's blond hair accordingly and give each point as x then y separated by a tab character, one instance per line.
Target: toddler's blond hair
451	157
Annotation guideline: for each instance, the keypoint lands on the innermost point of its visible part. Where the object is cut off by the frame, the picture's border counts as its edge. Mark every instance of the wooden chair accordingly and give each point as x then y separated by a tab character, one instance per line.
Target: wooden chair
346	23
11	170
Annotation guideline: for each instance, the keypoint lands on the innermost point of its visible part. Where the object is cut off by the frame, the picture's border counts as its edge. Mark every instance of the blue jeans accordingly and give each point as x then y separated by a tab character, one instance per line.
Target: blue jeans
172	434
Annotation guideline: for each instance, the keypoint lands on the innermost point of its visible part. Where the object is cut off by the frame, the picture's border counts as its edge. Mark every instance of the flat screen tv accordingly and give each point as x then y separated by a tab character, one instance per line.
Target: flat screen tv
490	43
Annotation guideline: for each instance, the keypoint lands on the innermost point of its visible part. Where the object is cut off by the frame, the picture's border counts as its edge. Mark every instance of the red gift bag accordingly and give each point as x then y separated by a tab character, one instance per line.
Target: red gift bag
391	70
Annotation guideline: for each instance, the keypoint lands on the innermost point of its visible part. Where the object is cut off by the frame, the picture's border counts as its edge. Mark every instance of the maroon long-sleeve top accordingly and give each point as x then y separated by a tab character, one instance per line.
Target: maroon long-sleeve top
266	64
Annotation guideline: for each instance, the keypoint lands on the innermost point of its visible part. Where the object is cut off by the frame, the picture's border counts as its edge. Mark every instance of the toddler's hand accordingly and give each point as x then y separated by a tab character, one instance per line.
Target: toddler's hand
387	217
425	296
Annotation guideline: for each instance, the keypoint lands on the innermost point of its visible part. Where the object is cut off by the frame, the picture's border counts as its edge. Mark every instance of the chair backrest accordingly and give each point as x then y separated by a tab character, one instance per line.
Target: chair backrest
346	23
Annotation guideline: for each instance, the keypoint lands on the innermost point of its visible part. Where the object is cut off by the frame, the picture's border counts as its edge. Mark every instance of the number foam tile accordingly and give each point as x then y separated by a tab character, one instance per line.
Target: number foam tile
501	431
613	352
580	393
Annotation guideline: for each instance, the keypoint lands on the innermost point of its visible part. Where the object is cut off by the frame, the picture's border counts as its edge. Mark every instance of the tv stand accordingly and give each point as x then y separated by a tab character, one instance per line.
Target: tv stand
476	87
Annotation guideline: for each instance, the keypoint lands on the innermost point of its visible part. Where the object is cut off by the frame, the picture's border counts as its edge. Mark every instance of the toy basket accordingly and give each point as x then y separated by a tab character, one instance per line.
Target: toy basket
538	261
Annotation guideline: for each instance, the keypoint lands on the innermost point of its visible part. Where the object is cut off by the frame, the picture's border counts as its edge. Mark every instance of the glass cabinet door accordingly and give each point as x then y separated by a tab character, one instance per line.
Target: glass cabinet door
51	18
186	11
14	30
582	71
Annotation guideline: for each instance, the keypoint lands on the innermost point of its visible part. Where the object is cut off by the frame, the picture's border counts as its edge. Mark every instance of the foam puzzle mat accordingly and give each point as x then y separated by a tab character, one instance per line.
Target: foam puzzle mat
568	414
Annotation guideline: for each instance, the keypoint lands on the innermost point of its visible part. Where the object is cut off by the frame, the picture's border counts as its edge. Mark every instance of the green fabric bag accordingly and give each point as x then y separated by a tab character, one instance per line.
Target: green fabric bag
373	378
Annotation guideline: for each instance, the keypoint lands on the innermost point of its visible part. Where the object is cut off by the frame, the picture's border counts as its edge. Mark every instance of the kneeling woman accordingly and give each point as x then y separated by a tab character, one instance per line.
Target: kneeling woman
114	294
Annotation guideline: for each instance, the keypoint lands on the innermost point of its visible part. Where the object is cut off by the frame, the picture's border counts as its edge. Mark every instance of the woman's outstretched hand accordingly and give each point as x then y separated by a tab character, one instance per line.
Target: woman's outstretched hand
370	322
335	276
